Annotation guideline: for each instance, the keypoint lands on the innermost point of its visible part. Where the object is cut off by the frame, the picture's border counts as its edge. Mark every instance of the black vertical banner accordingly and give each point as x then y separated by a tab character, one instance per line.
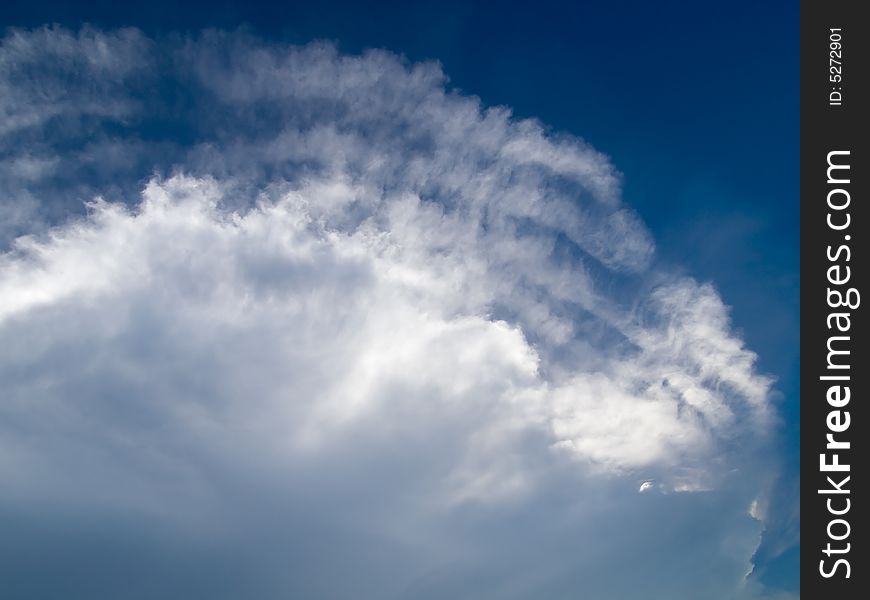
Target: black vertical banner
835	65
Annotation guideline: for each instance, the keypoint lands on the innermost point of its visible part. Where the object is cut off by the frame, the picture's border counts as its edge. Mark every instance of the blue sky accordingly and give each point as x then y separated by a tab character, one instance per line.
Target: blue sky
690	116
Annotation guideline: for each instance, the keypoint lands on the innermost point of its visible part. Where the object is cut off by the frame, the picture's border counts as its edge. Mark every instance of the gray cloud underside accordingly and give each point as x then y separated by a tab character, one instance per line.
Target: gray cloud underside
281	321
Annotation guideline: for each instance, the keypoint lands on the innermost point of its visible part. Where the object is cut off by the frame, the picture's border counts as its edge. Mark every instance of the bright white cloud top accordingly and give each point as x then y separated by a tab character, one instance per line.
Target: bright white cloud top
386	340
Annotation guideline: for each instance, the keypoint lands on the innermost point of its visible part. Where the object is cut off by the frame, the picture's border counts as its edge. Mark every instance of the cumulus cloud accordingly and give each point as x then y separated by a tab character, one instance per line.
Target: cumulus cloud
356	320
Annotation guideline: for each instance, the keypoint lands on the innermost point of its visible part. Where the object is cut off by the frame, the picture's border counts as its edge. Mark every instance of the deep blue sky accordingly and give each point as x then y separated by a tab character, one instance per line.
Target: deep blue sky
696	103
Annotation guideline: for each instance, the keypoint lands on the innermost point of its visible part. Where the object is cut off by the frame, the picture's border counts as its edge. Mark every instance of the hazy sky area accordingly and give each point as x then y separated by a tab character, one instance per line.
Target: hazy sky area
388	302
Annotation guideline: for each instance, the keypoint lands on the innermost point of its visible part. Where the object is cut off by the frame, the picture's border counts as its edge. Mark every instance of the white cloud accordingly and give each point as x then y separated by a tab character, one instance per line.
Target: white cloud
34	66
362	270
415	303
